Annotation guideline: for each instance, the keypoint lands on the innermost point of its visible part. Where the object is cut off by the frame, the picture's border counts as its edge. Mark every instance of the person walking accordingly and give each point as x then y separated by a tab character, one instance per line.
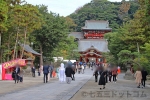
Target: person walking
106	77
138	77
17	69
21	75
84	64
96	75
62	77
51	70
82	69
45	72
144	74
13	74
109	74
33	71
73	72
76	64
114	74
68	73
57	70
102	80
92	65
79	69
38	66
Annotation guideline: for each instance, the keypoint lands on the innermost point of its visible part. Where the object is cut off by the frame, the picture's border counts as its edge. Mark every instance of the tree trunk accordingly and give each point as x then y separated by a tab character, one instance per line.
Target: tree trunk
25	36
8	46
41	57
16	43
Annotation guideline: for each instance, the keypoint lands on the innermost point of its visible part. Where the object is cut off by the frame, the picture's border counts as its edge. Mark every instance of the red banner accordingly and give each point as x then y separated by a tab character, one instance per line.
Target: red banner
12	63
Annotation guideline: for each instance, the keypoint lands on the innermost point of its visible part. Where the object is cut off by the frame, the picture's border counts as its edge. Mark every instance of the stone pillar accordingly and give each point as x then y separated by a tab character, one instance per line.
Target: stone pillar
128	74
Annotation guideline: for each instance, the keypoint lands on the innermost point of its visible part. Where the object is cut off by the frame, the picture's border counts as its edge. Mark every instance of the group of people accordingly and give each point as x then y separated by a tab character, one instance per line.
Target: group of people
140	77
64	74
80	67
105	75
17	74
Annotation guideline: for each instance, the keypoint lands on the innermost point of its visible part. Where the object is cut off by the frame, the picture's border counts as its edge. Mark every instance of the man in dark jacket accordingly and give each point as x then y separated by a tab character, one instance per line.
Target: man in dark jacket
45	72
68	73
110	75
144	74
33	71
96	75
17	69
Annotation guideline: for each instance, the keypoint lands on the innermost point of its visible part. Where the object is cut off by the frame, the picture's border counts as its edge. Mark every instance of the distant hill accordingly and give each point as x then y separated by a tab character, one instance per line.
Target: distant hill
115	12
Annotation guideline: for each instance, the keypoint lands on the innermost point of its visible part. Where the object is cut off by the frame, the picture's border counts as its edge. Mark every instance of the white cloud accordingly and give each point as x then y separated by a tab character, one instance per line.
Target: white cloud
63	7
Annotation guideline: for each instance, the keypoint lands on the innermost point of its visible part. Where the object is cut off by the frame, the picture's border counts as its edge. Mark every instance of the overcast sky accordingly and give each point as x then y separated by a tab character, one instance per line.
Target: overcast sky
62	7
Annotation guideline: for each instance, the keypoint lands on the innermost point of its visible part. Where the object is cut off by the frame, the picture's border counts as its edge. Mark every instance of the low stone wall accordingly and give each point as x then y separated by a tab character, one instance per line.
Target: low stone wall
148	77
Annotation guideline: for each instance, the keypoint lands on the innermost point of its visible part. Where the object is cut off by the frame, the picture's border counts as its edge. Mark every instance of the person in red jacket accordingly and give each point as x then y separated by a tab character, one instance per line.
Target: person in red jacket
114	74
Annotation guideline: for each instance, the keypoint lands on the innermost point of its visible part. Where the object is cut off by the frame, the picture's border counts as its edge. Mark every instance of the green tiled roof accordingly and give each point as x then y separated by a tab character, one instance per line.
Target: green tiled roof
96	25
29	49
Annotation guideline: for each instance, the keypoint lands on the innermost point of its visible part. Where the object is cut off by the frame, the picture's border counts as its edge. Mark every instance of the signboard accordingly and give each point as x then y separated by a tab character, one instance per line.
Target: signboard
12	63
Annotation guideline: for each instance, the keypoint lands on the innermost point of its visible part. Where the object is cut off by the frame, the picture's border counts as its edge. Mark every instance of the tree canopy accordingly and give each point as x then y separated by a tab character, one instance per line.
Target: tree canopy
132	38
115	12
22	23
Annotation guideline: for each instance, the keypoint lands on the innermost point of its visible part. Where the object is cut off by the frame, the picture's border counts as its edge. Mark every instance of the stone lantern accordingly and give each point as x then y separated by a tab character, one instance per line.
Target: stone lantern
29	64
128	74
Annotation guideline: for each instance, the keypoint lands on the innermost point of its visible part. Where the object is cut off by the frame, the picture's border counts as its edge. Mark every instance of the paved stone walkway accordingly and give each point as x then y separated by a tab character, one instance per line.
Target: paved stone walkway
122	90
8	86
53	90
83	88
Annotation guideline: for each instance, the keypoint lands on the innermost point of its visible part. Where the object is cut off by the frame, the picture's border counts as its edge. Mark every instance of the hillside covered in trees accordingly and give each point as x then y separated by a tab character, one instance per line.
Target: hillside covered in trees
130	20
115	12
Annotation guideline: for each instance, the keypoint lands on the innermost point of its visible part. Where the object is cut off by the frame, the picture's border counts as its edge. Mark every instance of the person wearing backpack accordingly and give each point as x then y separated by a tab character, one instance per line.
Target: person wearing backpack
13	74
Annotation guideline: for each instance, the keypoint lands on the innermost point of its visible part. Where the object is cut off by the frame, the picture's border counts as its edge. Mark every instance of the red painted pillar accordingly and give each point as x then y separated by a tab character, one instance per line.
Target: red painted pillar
80	58
3	73
96	60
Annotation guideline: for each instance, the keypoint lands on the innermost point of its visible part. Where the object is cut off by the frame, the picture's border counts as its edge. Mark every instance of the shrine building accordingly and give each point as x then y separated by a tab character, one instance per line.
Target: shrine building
91	42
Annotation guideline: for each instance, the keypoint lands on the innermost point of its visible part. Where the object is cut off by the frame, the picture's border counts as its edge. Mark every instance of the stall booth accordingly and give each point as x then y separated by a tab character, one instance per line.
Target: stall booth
7	68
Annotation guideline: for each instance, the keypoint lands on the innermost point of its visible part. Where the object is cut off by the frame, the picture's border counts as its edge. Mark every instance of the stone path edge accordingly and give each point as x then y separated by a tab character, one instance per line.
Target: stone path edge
79	89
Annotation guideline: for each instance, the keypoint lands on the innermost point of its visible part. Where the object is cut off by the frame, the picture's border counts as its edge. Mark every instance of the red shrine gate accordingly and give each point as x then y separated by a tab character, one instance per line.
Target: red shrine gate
94	34
92	55
91	42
